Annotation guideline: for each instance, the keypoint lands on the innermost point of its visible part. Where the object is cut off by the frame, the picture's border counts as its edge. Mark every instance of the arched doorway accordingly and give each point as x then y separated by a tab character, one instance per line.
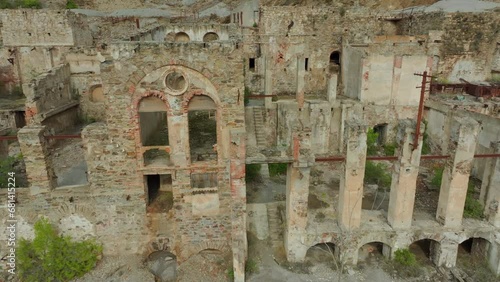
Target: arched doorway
373	251
473	257
425	250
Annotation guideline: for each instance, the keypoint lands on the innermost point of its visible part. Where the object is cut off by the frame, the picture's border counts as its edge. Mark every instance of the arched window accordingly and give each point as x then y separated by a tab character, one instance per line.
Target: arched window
202	122
335	58
182	37
210	36
96	94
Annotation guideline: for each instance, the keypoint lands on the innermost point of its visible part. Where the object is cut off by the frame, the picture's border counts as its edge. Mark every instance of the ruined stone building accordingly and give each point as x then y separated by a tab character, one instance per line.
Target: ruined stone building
172	113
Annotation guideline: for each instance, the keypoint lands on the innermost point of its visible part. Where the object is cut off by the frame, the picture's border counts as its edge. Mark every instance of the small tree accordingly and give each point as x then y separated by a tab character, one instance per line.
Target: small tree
35	4
71	5
50	257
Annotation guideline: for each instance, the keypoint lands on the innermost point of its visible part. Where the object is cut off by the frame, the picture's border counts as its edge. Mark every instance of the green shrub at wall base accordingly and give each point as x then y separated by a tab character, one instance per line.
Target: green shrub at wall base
50	257
405	257
71	5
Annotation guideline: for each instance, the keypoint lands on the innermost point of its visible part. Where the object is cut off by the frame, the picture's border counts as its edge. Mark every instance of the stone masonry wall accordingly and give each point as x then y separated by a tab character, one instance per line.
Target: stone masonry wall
31	27
214	69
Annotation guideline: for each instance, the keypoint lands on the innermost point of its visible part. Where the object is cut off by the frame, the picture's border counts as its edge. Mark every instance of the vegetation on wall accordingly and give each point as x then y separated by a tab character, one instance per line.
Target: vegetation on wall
376	173
50	257
71	5
277	169
8	165
14	4
472	208
252	173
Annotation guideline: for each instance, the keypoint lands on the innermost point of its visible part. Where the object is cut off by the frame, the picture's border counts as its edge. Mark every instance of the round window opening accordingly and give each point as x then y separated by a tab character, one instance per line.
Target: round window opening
176	82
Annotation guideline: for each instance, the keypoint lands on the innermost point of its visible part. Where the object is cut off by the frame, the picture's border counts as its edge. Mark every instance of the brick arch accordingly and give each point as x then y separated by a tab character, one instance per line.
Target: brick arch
213	245
465	237
138	75
198	92
136	99
432	236
64	210
375	239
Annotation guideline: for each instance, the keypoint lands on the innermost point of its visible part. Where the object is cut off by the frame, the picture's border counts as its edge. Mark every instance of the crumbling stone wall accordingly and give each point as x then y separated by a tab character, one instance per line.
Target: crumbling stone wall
50	95
30	27
120	163
465	42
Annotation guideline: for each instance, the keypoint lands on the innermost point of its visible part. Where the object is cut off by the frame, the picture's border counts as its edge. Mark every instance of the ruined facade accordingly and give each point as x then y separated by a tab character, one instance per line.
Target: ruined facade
171	118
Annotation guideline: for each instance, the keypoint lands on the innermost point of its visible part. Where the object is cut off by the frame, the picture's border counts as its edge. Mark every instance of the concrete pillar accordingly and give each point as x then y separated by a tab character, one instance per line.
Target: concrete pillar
37	159
297	193
351	180
300	81
268	81
331	93
404	177
494	256
444	253
463	137
491	188
238	195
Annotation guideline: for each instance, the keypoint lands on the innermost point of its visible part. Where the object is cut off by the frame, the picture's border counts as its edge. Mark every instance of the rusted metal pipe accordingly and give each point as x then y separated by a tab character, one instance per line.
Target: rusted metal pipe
480	156
260	96
8	138
69	136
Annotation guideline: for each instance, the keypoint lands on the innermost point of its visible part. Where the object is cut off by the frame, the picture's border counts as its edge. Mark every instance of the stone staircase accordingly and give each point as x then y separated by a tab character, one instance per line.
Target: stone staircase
275	221
259	127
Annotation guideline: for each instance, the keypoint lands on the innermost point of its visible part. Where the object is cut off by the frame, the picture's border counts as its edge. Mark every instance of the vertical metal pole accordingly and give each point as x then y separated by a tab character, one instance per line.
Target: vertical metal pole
420	110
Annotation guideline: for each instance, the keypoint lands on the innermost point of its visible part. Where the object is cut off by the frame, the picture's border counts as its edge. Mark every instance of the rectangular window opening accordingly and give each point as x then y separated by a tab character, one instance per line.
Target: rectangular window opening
306	64
251	64
204	180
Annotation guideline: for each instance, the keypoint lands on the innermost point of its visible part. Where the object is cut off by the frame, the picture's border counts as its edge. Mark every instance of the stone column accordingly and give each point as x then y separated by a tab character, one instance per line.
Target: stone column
404	177
332	88
444	253
268	81
297	193
179	143
491	185
463	137
37	159
300	81
94	137
238	195
351	180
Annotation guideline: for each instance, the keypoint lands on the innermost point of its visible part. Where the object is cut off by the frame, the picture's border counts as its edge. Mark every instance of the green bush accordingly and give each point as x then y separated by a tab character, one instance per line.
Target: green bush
371	142
472	208
390	149
71	5
377	174
31	4
8	165
252	172
50	257
405	257
251	266
438	176
277	169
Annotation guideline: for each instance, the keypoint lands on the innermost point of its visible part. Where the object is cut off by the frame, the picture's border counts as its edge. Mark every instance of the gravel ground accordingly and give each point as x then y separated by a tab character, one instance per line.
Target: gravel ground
119	269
